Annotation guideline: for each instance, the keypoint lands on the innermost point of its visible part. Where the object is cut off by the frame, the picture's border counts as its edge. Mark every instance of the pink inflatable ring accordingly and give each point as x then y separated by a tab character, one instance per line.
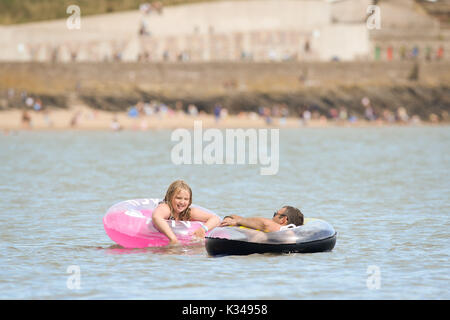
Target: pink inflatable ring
129	224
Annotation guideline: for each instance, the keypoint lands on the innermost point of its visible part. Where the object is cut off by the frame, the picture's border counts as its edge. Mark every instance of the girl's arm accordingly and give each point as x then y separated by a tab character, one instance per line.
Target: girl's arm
209	220
159	216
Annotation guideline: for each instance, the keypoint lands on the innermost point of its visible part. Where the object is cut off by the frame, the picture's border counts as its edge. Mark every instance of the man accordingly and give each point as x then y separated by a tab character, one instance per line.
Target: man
282	218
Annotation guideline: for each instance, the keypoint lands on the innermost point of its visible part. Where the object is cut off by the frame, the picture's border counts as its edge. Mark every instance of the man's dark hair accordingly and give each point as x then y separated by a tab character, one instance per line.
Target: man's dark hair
294	215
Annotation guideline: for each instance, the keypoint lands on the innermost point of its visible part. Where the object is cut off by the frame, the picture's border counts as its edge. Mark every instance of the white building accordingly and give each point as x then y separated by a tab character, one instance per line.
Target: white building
260	30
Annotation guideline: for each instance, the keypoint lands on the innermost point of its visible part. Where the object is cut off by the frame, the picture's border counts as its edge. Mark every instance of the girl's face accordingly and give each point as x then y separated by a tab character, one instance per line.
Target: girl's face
181	201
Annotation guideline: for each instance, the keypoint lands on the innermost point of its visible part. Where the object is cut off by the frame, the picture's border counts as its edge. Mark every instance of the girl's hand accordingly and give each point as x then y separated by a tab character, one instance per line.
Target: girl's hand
199	233
173	241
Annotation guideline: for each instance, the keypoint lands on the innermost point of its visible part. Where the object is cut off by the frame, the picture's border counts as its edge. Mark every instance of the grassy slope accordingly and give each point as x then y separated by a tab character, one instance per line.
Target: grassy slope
22	11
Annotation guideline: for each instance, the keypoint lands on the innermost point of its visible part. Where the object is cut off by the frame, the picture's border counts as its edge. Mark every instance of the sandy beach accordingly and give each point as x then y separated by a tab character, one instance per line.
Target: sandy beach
85	118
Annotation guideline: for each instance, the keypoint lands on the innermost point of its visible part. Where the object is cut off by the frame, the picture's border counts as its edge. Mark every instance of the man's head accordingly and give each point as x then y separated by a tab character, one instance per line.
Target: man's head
288	215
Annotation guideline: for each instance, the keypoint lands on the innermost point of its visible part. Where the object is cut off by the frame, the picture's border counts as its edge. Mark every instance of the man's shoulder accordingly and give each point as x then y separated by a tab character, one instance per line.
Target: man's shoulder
270	225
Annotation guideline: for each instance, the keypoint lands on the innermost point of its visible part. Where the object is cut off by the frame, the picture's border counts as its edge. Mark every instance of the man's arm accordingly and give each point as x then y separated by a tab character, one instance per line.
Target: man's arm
263	224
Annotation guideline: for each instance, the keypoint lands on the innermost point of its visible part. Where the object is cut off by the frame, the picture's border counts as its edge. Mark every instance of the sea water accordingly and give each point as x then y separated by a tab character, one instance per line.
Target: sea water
385	190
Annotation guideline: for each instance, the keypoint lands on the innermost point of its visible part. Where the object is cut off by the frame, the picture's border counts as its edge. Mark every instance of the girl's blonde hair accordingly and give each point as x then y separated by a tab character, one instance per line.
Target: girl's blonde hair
172	191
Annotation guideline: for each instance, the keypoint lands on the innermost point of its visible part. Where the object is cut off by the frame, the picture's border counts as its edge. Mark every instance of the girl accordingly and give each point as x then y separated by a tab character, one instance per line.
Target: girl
176	206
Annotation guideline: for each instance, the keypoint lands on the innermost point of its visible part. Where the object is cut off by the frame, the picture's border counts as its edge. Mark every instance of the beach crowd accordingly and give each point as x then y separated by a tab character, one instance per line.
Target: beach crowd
140	115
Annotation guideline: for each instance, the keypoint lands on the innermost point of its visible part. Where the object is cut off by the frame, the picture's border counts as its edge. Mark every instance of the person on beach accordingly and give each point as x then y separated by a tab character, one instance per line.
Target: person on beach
177	206
284	218
26	120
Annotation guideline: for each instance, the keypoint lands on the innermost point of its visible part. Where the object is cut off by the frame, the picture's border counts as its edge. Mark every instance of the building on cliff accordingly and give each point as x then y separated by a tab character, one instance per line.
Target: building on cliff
257	30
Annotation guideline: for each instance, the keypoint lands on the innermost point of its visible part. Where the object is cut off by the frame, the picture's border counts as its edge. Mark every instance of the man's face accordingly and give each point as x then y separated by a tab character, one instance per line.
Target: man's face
279	216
